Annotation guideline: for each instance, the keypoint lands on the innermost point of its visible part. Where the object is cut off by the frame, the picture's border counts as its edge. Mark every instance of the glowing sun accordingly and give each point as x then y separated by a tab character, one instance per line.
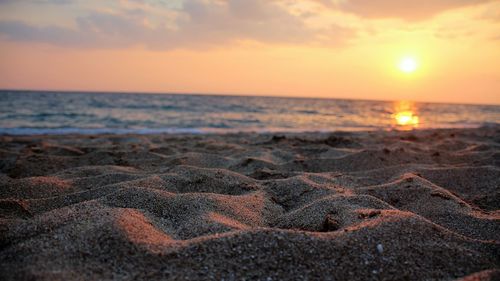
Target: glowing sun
408	65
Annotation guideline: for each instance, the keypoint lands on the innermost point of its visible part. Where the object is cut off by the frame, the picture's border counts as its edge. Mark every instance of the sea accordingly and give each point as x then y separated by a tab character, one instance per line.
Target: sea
48	112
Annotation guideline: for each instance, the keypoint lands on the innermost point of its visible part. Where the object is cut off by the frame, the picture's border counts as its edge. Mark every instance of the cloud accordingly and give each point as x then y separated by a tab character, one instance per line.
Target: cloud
52	2
408	10
493	13
193	24
241	19
95	30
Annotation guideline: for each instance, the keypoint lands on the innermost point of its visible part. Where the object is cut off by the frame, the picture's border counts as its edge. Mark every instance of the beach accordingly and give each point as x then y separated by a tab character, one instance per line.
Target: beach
373	205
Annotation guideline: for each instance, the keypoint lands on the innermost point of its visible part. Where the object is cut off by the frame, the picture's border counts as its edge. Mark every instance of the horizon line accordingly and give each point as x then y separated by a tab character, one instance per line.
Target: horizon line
228	95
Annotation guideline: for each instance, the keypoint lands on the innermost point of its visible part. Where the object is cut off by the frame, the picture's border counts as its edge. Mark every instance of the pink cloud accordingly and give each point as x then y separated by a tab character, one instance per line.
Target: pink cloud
408	10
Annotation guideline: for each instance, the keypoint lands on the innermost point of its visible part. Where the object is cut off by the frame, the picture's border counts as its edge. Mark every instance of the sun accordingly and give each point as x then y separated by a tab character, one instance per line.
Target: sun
408	65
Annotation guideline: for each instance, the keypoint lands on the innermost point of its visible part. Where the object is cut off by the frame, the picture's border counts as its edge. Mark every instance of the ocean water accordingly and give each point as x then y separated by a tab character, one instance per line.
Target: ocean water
41	112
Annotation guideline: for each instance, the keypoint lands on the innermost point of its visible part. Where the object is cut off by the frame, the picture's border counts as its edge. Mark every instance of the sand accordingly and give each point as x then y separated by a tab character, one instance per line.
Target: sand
419	205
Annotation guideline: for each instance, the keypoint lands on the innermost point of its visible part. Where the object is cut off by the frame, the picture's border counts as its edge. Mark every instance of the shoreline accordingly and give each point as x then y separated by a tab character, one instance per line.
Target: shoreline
373	205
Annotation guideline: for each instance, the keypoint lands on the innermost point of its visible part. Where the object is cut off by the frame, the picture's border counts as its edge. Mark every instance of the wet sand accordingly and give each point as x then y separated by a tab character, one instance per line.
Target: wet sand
421	205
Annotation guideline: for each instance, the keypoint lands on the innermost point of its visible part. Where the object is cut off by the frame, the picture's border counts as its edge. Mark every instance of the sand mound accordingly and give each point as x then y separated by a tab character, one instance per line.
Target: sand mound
420	205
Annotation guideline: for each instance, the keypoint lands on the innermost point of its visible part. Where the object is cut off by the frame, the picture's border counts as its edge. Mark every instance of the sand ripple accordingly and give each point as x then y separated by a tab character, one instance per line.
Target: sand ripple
346	206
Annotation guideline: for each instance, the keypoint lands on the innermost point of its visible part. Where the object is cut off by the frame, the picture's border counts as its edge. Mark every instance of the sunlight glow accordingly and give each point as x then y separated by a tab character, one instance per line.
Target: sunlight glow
405	115
405	118
408	65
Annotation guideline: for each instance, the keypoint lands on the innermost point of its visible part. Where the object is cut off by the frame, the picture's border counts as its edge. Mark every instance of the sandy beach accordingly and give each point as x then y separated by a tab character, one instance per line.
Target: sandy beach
416	205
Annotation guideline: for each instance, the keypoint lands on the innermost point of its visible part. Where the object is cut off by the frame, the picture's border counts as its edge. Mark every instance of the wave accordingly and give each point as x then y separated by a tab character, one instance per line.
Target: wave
206	130
94	131
28	113
148	131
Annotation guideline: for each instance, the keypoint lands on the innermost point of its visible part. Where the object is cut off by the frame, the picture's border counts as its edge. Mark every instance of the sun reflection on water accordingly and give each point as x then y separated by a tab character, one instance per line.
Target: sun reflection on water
405	115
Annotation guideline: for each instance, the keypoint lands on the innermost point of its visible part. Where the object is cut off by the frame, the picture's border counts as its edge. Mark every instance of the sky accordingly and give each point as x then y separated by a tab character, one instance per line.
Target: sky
301	48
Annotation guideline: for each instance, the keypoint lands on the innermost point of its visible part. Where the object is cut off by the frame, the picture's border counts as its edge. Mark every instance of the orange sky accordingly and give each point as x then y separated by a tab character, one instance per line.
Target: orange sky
311	48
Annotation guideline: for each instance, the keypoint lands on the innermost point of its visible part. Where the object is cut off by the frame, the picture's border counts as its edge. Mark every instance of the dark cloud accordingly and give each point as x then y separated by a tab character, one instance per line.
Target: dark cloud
197	23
